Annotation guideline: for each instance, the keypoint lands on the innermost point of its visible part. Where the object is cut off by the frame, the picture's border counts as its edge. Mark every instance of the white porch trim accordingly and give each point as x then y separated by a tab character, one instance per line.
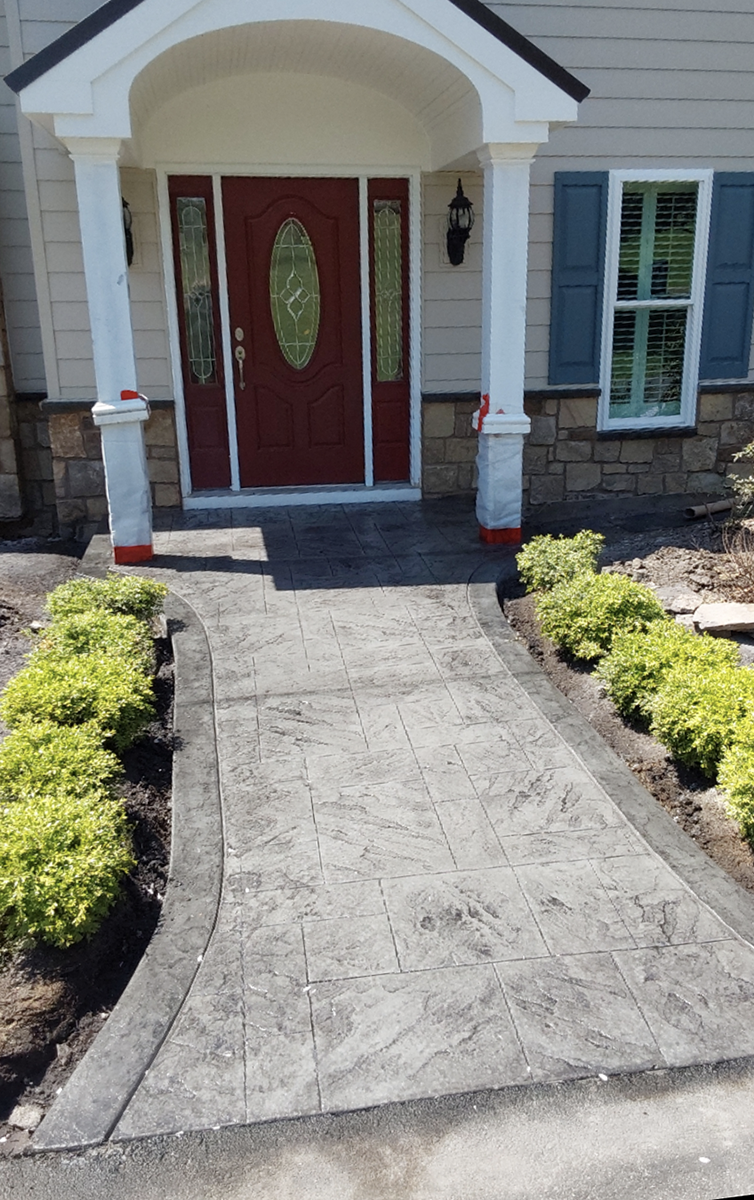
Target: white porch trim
284	497
501	421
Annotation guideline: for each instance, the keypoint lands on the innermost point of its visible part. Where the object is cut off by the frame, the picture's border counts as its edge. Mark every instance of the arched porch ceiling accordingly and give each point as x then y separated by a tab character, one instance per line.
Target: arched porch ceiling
465	85
442	113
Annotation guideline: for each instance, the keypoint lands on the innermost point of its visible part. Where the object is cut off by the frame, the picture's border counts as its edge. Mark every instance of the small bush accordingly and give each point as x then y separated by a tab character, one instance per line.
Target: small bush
119	593
100	631
62	859
696	714
45	758
736	778
584	614
634	669
77	690
547	561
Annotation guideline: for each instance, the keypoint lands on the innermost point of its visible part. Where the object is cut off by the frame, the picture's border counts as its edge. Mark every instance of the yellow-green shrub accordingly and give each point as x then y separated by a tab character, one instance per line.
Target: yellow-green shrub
100	631
736	777
42	759
119	593
546	561
696	713
81	689
62	860
584	614
634	669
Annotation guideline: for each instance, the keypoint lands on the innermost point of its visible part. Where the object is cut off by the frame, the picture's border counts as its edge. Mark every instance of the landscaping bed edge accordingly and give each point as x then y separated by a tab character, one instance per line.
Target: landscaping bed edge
100	1089
709	882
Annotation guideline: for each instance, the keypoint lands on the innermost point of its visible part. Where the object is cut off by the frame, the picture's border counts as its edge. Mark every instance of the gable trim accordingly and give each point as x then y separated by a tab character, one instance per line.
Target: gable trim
111	12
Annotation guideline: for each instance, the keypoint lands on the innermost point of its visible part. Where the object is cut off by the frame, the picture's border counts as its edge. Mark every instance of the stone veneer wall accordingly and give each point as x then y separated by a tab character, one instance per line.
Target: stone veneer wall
35	460
566	459
449	445
10	484
78	471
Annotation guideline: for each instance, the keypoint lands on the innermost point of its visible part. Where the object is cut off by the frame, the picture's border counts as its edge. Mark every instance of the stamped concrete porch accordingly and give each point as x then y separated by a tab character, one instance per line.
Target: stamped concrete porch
428	888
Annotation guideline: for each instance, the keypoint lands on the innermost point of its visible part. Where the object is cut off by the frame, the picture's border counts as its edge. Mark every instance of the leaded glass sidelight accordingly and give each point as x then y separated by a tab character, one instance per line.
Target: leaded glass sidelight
196	283
295	297
388	289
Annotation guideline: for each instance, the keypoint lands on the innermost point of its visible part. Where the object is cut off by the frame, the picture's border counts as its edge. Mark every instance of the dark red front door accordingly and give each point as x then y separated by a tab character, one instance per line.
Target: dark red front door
295	314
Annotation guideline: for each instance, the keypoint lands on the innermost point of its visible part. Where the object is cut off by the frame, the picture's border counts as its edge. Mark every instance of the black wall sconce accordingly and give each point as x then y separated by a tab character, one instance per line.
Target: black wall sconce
128	222
460	225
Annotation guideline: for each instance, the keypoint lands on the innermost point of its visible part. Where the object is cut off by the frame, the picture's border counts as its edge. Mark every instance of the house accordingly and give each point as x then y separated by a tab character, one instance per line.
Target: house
240	209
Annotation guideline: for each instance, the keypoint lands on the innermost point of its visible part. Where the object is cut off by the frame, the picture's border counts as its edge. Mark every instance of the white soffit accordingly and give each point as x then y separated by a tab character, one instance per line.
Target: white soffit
87	93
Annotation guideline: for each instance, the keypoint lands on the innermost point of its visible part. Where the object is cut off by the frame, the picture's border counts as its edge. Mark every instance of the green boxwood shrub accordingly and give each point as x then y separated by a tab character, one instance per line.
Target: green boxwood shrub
546	561
44	758
584	614
119	593
78	689
634	669
62	860
100	631
736	778
696	713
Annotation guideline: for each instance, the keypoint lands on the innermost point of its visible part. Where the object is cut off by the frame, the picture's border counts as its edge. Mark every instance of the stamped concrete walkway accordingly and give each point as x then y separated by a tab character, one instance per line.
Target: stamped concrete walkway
426	889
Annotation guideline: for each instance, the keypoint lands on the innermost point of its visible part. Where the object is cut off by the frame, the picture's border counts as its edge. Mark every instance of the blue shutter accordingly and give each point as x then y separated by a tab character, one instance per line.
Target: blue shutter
578	269
729	299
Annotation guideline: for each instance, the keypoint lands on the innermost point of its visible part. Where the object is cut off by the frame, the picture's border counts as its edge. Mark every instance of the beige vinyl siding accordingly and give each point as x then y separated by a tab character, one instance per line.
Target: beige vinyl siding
672	87
147	287
16	264
452	295
41	24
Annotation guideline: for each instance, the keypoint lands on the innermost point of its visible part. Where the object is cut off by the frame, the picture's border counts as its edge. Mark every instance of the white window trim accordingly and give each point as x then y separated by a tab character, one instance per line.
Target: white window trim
687	415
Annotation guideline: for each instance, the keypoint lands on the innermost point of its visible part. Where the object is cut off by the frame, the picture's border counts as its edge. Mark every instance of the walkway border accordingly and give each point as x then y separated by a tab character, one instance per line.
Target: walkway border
709	882
100	1089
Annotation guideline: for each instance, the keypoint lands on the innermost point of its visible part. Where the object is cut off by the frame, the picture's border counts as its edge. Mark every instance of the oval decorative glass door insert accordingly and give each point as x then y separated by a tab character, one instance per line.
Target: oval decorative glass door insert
295	294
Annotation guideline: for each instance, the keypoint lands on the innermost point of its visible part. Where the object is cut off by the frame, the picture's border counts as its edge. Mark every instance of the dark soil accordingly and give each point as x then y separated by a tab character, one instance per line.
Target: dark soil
53	1002
697	559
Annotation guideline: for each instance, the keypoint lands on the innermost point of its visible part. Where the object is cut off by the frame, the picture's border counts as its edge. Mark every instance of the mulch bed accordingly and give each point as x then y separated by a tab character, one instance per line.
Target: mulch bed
697	558
53	1002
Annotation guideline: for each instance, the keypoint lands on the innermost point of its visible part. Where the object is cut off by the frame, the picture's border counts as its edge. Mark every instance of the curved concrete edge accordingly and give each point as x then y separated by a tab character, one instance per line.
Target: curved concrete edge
100	1089
709	882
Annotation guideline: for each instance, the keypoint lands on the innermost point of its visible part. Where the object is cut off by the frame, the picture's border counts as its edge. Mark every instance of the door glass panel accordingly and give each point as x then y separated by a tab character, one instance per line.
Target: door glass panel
196	284
388	289
295	294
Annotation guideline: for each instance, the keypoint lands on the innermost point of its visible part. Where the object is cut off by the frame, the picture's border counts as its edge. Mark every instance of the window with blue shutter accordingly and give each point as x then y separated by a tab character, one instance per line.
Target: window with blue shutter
578	271
729	299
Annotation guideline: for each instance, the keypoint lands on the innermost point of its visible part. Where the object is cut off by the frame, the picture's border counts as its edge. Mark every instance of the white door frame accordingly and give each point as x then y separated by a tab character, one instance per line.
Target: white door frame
238	497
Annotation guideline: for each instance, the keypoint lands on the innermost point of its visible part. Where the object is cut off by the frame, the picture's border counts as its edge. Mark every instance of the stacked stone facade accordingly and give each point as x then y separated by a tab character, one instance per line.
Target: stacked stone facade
449	446
78	471
10	484
565	458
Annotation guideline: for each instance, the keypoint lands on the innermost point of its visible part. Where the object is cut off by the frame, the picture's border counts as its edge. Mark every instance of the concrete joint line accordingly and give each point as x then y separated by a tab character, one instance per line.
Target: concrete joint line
709	883
103	1084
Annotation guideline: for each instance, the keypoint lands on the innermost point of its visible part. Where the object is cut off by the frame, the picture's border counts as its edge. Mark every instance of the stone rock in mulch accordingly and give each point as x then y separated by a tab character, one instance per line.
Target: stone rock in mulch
725	618
687	620
25	1116
675	599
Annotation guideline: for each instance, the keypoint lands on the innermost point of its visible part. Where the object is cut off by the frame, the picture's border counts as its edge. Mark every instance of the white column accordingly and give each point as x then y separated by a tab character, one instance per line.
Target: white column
121	421
501	421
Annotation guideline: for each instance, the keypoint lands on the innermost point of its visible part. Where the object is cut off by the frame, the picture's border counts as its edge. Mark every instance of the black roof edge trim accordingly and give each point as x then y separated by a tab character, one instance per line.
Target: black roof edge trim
102	18
510	37
68	42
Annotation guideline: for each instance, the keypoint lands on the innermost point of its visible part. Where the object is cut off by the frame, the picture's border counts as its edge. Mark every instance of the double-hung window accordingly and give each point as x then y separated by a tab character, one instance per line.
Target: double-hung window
652	289
658	229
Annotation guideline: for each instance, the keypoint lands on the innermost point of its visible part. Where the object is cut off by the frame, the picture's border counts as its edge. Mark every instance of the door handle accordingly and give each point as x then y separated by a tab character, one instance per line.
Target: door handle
240	355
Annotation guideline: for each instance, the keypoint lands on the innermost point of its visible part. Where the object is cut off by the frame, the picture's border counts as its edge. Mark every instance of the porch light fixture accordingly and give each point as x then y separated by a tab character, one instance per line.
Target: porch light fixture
128	222
460	225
